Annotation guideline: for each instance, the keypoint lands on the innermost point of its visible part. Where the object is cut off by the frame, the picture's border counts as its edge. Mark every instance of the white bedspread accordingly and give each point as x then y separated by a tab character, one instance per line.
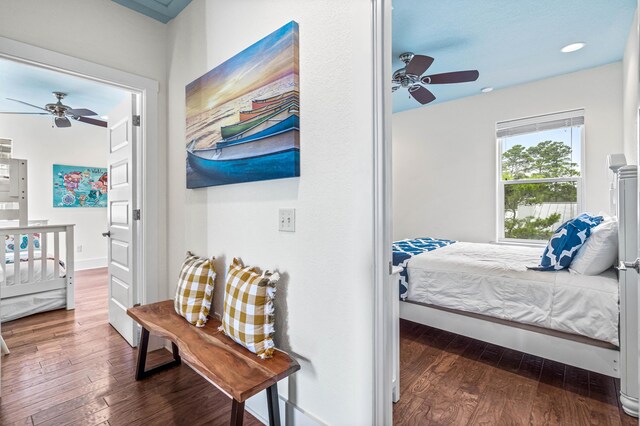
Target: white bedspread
24	268
21	306
492	279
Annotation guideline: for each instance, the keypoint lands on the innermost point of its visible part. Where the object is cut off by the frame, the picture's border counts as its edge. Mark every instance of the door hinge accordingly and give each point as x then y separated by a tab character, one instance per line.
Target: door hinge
136	214
136	120
390	268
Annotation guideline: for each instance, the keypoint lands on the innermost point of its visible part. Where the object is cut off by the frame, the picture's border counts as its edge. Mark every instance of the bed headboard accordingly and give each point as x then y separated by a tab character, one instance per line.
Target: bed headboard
13	190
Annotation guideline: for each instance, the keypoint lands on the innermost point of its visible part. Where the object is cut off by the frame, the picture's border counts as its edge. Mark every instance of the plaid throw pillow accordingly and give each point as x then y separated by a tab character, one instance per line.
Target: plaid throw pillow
248	316
195	289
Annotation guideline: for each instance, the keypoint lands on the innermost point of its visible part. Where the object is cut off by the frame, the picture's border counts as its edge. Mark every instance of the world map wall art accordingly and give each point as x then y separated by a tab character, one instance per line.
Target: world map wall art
243	120
78	186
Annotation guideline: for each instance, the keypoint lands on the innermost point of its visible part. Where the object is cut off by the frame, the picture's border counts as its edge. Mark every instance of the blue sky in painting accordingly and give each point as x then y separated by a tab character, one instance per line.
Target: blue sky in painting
258	65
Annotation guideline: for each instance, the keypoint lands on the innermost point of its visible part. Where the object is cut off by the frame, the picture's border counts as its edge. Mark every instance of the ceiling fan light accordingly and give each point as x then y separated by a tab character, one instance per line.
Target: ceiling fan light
572	47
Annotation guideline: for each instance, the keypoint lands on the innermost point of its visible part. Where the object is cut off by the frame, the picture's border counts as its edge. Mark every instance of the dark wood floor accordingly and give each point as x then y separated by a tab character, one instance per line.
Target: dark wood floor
71	367
448	379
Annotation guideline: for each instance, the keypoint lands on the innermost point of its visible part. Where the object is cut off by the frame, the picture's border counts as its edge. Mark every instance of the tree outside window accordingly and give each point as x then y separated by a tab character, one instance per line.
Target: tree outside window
540	181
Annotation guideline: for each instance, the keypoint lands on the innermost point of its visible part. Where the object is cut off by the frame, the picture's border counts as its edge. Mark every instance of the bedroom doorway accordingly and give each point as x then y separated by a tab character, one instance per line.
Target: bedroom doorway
555	104
133	171
79	153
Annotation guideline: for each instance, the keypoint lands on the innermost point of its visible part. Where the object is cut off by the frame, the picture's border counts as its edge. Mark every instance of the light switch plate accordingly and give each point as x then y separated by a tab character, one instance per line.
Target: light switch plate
287	220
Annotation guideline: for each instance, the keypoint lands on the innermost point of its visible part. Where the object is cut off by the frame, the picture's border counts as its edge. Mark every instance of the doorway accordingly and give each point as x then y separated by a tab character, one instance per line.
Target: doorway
133	228
414	126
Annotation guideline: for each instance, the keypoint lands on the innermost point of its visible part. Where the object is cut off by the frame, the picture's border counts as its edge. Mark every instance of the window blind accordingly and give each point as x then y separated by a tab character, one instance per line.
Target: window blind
540	123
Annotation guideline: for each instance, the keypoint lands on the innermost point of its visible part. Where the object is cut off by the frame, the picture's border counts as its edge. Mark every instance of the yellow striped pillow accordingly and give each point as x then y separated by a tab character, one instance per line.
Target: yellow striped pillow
195	289
248	316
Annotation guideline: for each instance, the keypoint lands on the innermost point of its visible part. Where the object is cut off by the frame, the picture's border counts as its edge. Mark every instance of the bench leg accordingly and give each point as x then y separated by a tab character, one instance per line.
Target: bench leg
273	405
176	352
142	354
142	358
237	413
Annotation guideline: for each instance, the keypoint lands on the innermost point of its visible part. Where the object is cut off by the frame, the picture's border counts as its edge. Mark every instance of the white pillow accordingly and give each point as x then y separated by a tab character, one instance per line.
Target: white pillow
600	251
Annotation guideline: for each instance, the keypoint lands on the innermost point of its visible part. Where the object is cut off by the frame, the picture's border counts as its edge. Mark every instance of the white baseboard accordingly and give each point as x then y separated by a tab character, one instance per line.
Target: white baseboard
290	414
99	262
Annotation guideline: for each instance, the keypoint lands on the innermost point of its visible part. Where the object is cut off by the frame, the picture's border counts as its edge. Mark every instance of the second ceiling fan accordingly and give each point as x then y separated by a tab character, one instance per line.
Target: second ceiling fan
62	113
410	77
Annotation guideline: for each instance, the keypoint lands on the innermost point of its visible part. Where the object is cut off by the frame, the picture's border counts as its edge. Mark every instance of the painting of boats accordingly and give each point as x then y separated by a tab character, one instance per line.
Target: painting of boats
243	117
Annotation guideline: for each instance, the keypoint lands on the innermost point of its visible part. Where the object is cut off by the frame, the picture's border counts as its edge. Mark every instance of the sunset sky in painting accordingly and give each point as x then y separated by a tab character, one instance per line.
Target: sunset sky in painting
258	65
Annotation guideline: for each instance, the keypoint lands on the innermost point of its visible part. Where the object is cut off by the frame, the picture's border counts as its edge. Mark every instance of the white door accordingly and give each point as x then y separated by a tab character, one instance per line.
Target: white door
122	227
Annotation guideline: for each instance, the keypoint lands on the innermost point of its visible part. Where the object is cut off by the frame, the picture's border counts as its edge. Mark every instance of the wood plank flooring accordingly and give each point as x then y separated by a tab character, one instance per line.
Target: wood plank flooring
71	367
446	379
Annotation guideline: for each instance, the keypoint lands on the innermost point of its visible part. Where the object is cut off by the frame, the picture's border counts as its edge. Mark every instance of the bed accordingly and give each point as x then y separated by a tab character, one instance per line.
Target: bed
40	254
493	280
487	292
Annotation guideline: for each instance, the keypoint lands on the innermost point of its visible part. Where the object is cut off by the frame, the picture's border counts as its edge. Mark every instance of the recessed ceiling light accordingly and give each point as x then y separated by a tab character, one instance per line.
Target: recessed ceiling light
572	47
486	89
104	117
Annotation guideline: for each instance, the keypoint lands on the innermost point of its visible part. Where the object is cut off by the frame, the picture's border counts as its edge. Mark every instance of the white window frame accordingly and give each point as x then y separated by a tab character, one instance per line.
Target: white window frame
580	180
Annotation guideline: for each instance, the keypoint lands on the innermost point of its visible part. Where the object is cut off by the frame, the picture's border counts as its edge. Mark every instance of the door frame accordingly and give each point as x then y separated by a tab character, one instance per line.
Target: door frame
382	224
147	167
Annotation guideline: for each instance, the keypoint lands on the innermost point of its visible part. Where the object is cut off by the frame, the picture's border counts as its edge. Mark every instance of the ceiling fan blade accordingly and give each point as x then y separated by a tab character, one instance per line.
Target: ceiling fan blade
62	122
80	112
92	121
421	94
451	77
24	103
418	65
25	113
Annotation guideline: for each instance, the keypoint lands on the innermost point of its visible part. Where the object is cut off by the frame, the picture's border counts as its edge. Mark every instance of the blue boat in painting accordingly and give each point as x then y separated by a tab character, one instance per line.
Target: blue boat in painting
267	149
243	117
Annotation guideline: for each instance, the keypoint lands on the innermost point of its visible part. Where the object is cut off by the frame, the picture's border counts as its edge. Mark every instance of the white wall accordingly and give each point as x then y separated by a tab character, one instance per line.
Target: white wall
43	146
444	155
324	301
631	76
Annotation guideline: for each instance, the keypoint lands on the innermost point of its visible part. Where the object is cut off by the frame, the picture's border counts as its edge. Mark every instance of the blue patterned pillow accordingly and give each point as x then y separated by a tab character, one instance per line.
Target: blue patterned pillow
566	241
10	243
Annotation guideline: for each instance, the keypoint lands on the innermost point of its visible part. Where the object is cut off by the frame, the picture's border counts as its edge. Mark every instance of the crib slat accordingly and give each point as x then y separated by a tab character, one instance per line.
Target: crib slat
3	252
30	260
43	256
56	254
16	259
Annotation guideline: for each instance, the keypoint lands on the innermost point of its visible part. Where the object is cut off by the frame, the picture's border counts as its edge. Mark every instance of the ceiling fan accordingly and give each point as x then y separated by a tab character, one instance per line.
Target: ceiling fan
410	78
62	113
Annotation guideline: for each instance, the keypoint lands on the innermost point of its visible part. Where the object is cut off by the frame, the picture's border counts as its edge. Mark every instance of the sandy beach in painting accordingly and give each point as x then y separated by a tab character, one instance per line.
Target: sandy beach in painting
204	128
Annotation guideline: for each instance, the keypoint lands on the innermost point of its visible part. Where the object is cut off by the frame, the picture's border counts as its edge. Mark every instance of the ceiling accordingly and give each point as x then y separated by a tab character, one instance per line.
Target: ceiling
508	42
34	85
161	10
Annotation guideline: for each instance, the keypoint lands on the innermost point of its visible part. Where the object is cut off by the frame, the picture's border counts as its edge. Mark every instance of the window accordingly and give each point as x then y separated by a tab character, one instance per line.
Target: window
540	174
6	148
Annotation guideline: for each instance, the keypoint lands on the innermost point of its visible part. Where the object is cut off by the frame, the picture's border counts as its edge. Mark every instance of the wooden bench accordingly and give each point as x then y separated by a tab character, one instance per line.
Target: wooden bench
227	365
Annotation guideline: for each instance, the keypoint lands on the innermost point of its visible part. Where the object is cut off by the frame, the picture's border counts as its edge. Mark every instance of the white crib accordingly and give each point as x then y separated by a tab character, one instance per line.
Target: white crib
32	278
